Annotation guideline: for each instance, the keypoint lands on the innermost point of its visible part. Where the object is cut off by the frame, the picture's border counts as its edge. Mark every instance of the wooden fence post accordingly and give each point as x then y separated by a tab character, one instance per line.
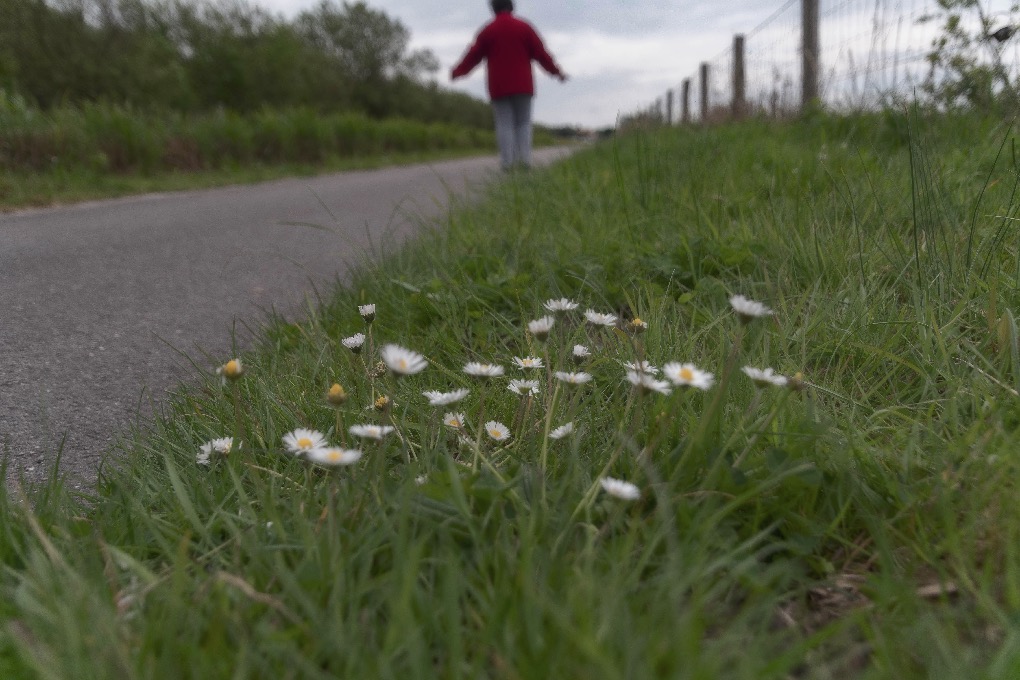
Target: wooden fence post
704	92
810	53
739	79
685	102
669	107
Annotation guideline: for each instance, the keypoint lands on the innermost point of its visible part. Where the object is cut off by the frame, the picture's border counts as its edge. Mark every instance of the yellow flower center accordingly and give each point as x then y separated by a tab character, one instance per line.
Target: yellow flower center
232	369
686	374
403	364
495	434
334	456
304	443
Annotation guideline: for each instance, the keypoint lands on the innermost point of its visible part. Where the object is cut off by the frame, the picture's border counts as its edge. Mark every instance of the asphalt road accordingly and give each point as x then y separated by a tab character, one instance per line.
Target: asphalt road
102	304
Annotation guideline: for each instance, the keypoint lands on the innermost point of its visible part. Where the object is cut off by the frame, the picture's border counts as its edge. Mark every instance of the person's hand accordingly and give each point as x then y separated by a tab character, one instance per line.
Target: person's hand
562	77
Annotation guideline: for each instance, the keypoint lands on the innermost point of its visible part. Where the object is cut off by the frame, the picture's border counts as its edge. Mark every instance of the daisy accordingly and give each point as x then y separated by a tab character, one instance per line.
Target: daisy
561	305
573	378
528	362
402	361
765	378
354	342
454	420
647	383
446	398
620	489
540	327
523	387
596	319
641	367
562	431
420	480
370	431
223	445
580	353
301	441
497	431
480	370
748	310
367	312
687	375
232	370
334	456
382	403
204	453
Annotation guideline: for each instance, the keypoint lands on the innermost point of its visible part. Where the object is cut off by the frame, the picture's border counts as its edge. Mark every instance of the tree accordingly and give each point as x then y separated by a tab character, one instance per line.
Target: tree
966	67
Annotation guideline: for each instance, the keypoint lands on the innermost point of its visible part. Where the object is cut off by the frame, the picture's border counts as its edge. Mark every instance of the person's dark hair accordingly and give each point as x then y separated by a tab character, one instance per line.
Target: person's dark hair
502	6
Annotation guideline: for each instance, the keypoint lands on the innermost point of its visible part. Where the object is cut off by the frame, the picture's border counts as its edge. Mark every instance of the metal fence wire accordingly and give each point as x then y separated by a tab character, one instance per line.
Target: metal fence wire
871	53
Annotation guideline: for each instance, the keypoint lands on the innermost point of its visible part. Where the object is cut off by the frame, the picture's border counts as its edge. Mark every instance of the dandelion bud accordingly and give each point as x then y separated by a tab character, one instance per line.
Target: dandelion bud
796	382
336	395
367	312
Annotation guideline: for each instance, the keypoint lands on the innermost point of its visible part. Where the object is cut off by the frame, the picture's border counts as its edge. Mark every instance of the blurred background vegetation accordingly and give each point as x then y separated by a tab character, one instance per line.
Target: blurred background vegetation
145	86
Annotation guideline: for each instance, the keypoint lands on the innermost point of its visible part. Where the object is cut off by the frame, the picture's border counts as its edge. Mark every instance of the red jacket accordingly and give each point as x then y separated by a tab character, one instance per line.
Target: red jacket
508	45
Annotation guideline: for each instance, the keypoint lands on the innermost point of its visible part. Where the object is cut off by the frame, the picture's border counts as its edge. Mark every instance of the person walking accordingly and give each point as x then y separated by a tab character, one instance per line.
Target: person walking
509	45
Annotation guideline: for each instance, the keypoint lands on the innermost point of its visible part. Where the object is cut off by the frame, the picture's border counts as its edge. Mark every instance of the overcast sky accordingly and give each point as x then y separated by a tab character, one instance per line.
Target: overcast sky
620	54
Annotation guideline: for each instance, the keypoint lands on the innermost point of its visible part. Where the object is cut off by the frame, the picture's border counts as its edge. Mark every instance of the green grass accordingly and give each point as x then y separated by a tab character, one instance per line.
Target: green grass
23	190
865	526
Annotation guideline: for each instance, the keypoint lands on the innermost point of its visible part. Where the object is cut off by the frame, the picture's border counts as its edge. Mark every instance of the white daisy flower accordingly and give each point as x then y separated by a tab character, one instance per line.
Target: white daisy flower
223	445
232	370
523	387
455	420
334	456
748	310
421	479
354	342
446	398
301	441
765	378
596	319
562	431
370	431
620	489
367	312
480	370
688	375
528	362
641	367
578	378
581	354
648	383
204	454
497	431
561	305
540	327
402	361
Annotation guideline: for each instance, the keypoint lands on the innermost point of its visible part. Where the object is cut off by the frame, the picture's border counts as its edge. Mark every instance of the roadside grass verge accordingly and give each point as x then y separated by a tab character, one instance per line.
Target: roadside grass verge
25	190
861	525
100	150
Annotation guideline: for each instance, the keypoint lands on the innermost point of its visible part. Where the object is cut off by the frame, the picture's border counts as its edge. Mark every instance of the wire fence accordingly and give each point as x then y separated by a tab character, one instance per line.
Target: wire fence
870	53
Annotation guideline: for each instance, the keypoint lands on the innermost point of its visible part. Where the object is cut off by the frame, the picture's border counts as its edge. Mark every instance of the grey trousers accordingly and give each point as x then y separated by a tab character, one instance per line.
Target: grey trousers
513	129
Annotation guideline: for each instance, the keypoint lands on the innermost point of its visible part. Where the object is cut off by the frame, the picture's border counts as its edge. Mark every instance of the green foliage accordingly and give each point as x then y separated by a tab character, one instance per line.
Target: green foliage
863	526
116	139
193	56
967	69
